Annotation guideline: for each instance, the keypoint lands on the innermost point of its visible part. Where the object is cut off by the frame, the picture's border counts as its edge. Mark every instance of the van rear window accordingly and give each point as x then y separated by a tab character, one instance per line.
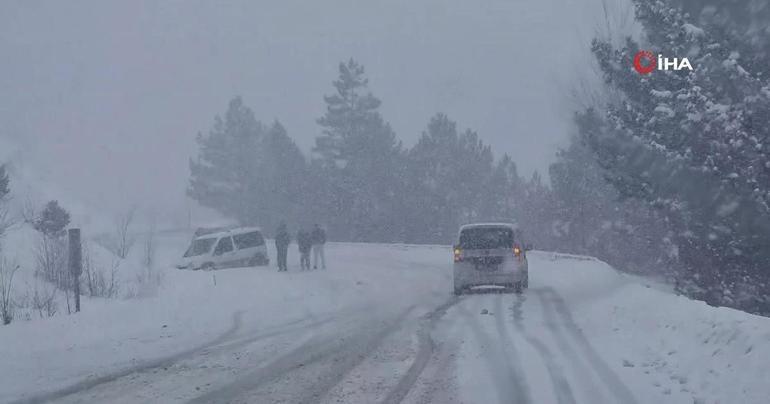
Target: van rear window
248	240
486	238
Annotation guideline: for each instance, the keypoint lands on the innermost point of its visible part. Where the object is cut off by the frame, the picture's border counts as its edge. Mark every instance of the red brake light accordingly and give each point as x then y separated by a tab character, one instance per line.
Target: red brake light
516	251
458	254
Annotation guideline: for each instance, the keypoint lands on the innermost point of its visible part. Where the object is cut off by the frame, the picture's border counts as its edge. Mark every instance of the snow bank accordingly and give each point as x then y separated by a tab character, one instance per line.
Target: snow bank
686	350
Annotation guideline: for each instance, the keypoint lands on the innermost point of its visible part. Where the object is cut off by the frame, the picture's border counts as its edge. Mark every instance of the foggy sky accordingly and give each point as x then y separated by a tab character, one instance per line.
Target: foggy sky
106	98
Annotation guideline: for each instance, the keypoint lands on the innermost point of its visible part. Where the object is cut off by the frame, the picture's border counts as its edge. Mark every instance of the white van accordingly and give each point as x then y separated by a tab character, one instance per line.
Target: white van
244	246
490	254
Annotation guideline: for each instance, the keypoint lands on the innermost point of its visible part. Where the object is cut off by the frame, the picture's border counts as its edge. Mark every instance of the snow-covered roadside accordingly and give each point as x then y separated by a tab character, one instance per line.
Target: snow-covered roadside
663	347
685	350
193	308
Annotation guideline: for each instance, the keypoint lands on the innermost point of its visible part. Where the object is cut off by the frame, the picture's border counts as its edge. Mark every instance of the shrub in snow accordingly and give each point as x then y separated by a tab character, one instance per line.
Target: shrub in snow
7	272
149	278
99	281
4	191
43	300
51	260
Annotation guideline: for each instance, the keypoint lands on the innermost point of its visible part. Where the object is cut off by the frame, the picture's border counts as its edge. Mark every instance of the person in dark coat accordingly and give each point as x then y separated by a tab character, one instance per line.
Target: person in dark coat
282	240
304	243
318	238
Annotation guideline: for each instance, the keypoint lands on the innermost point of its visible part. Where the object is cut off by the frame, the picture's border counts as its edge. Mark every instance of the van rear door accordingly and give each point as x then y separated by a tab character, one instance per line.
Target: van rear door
486	248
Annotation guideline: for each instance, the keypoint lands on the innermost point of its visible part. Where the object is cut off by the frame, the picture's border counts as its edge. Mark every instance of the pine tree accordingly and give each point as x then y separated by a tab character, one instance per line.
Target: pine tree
535	216
692	144
284	178
361	158
223	176
435	182
4	183
591	218
247	171
504	183
448	174
52	220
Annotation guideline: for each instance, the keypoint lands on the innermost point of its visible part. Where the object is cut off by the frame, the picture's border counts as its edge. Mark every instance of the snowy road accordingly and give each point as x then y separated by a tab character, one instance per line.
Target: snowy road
370	355
382	327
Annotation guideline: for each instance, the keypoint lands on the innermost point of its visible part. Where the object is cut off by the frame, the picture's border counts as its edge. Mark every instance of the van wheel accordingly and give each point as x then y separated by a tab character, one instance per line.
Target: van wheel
525	283
209	266
458	291
518	287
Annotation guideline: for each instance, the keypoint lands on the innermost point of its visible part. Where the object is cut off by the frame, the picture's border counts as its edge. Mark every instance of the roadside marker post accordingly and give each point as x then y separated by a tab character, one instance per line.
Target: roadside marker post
75	263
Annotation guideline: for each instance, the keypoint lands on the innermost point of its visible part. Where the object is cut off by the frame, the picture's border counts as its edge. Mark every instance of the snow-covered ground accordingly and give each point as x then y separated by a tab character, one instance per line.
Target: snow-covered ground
380	325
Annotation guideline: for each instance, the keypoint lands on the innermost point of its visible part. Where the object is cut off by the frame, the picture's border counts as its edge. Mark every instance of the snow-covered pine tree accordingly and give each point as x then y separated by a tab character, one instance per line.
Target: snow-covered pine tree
591	218
694	144
745	19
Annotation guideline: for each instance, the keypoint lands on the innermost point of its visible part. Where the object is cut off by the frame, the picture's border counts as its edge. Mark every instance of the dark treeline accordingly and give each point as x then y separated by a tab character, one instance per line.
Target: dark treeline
669	175
361	182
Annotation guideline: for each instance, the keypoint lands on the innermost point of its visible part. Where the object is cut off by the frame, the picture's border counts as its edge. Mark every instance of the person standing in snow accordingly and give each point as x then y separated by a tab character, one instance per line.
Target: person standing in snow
282	241
318	238
304	243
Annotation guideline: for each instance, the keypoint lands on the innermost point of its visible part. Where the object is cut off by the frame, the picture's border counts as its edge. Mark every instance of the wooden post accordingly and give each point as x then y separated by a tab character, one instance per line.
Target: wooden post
75	263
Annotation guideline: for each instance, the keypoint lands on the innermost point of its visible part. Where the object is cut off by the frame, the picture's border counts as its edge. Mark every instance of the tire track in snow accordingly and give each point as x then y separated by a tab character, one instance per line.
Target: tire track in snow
561	386
342	368
513	362
347	353
222	343
583	373
424	353
510	385
623	394
271	332
82	386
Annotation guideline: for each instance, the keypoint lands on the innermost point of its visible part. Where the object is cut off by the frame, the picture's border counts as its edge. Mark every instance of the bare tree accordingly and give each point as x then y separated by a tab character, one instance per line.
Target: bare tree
7	271
5	221
29	211
123	240
149	279
149	248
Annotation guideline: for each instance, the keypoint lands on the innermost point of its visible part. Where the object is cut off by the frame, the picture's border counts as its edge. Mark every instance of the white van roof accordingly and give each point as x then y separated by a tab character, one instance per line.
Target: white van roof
228	232
511	226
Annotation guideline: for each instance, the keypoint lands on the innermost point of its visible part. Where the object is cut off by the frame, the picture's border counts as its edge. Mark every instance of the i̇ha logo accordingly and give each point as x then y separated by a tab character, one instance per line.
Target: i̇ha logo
645	62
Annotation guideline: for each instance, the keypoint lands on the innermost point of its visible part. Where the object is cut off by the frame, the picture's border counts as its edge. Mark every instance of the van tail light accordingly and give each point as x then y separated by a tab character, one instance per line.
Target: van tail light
458	254
517	250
